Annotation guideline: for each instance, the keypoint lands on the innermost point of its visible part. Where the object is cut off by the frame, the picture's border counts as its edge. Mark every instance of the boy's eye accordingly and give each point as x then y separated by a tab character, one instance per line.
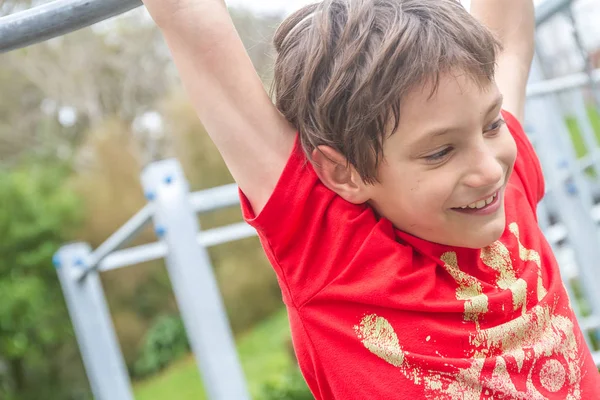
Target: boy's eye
439	155
495	126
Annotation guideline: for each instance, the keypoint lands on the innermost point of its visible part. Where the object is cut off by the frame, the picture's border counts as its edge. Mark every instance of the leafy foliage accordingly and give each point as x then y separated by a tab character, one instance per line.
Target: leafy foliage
165	342
290	386
37	213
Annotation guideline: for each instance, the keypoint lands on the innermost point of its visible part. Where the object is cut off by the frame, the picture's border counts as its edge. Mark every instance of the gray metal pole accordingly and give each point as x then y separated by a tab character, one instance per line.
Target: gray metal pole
577	108
568	186
193	282
63	16
585	57
93	326
547	9
57	18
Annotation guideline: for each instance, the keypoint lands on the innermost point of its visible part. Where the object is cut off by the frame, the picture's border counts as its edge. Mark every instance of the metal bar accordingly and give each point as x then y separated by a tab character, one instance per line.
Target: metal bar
577	108
158	250
134	255
122	236
574	198
94	330
57	18
585	57
203	201
194	283
553	86
64	16
570	274
215	198
216	236
557	232
549	8
590	323
587	161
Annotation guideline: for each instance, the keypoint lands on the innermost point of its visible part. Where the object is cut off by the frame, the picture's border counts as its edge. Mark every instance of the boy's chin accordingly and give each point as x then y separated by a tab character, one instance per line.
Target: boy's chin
483	237
480	243
474	236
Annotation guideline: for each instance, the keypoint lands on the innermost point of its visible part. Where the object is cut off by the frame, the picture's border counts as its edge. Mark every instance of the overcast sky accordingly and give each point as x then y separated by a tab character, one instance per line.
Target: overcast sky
288	6
285	6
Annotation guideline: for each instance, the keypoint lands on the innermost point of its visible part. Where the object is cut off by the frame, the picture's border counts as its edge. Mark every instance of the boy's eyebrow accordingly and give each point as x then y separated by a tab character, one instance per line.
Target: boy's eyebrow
439	132
498	102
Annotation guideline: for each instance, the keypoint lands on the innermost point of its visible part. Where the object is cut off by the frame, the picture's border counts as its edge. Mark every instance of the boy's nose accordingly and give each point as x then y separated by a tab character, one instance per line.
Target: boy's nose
484	170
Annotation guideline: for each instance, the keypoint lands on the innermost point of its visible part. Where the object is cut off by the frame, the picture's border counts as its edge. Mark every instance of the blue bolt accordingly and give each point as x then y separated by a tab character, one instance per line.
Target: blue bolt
571	188
150	196
169	180
160	231
56	261
79	262
563	164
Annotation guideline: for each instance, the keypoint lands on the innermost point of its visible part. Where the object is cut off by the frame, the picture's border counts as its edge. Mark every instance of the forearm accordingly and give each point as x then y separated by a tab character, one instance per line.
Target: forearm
179	15
227	93
196	27
512	21
209	55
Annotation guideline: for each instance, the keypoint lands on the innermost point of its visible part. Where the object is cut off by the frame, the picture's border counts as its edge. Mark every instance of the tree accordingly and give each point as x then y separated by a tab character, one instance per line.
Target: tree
37	211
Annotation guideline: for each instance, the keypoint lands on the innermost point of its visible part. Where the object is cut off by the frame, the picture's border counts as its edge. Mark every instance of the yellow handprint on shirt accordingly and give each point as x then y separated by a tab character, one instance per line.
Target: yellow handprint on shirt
539	345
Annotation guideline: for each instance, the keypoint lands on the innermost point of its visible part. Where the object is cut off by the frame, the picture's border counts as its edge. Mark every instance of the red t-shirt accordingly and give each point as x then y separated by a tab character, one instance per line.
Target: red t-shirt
376	313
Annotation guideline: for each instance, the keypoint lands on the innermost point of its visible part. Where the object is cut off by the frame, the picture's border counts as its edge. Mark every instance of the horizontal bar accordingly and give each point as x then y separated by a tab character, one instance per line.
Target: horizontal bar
596	357
229	233
587	161
555	233
215	198
158	250
203	201
122	236
134	255
590	323
547	9
564	83
596	213
60	17
57	18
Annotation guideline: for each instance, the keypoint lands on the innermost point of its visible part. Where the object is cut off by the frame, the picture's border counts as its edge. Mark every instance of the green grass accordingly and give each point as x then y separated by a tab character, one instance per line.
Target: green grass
180	381
575	130
263	352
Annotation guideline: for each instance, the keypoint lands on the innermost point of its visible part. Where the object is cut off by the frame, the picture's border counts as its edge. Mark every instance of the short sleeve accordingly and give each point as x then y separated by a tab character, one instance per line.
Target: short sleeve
308	232
527	166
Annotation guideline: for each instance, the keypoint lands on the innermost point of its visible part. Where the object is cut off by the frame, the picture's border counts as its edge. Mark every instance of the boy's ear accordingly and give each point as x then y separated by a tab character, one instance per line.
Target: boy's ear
338	175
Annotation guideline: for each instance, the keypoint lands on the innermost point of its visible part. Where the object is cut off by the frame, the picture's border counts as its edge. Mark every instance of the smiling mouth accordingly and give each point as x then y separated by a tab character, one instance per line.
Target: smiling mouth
483	207
478	205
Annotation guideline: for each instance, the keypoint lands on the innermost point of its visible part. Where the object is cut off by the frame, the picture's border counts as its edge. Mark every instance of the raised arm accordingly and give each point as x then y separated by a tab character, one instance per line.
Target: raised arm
230	100
513	22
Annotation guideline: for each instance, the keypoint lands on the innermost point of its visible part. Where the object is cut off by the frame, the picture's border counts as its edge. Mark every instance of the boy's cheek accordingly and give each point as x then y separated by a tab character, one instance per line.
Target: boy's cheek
510	148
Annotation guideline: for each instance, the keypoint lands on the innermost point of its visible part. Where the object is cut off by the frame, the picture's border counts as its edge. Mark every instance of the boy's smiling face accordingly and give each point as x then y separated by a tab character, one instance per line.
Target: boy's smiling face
446	168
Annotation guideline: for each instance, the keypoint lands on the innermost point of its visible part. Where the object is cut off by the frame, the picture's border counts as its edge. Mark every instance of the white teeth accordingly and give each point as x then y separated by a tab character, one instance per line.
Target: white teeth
481	203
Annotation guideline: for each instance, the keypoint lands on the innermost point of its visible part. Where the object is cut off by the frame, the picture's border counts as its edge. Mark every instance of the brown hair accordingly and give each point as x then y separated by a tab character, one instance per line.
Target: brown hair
343	67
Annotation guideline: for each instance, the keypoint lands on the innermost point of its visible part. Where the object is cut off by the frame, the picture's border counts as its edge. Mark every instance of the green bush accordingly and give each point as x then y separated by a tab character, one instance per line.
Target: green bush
38	213
165	342
290	386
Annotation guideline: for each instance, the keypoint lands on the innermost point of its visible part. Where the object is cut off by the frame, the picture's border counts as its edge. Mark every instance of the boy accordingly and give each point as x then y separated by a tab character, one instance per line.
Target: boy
407	249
